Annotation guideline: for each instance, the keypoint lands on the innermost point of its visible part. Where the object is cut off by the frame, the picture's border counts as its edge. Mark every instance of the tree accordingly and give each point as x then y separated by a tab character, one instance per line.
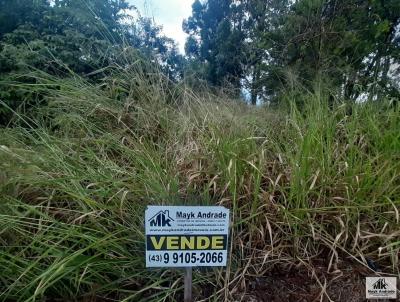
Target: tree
78	36
72	32
266	46
262	20
19	12
161	50
216	40
351	44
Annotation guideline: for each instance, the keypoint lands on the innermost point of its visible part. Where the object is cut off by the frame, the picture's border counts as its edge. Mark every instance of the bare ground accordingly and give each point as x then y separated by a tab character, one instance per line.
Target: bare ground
302	285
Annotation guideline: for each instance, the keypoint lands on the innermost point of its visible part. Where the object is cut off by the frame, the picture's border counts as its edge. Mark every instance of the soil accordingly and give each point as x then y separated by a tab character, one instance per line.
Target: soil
299	285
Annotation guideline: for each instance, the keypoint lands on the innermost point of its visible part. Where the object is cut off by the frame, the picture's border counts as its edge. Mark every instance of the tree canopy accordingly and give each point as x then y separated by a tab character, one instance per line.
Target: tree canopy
264	46
76	36
256	47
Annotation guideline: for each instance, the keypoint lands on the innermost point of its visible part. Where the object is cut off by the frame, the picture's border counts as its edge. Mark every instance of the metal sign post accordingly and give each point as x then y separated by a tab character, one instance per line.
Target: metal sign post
188	285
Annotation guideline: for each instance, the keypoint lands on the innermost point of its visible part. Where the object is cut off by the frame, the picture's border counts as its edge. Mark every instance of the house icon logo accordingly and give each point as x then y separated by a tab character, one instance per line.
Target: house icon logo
381	287
380	284
161	219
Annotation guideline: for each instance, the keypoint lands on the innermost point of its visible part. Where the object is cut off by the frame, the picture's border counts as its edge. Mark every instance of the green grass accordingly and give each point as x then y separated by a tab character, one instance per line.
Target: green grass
76	175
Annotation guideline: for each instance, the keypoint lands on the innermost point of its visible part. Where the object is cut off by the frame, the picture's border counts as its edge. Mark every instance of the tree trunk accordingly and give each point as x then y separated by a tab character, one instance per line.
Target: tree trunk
254	85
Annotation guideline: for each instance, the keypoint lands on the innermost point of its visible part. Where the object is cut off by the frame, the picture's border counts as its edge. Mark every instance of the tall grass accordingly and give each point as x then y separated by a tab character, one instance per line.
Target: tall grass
321	181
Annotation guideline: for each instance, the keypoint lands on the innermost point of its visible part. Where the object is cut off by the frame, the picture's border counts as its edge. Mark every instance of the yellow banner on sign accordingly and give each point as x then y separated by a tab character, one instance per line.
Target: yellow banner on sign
186	242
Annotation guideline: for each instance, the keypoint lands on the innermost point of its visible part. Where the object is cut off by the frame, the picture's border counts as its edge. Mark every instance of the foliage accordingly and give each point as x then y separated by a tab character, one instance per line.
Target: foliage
161	50
99	122
75	36
352	43
216	41
75	180
268	46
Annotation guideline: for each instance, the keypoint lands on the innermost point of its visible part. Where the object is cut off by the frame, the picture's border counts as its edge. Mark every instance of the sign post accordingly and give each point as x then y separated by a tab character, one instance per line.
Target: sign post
186	237
188	285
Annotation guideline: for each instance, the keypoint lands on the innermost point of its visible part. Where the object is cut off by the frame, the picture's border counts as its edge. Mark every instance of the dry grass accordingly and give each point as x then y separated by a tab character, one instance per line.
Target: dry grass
322	182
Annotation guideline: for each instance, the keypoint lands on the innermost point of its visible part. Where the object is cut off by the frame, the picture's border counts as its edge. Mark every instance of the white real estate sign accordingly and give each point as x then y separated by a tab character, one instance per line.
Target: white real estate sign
181	236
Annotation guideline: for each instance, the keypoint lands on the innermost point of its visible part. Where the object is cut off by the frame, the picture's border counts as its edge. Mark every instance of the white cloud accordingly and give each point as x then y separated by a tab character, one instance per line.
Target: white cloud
169	14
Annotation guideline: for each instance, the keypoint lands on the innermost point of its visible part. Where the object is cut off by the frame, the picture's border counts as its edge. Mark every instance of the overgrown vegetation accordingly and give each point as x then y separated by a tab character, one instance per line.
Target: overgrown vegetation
101	117
264	45
80	36
76	178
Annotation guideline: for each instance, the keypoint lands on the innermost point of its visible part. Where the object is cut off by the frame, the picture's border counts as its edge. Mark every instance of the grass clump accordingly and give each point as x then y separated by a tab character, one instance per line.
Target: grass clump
321	181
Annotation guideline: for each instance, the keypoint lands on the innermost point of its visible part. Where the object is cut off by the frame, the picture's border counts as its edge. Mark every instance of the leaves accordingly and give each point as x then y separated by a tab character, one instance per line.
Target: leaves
76	37
266	44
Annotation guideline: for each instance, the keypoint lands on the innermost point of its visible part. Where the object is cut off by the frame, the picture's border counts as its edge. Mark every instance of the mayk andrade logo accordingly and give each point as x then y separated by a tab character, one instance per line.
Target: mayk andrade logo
380	284
161	219
381	287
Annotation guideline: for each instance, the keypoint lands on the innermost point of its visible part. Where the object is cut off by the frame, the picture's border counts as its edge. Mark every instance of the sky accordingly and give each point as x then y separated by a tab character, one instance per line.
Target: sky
169	14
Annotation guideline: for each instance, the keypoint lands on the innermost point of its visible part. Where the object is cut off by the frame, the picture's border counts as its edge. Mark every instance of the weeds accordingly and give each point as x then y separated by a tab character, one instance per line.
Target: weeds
320	182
